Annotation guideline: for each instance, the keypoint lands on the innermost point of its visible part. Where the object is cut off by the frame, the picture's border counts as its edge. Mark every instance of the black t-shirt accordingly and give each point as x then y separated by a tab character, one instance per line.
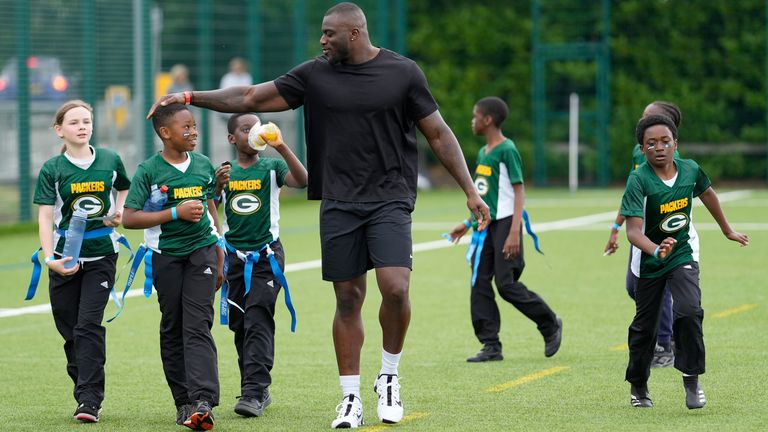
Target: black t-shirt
360	125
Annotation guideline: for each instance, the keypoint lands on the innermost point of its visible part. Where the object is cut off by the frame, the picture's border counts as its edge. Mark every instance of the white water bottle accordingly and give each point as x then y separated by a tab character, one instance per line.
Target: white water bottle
74	237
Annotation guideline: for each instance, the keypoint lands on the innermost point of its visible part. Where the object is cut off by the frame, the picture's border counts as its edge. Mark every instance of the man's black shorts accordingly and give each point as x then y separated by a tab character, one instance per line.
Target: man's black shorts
356	237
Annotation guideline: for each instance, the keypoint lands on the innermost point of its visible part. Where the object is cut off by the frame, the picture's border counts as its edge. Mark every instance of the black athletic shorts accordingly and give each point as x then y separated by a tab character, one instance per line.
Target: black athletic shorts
356	237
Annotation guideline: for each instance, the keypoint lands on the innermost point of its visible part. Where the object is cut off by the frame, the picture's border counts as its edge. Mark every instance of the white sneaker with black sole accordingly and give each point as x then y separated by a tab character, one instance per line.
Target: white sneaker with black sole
350	413
390	409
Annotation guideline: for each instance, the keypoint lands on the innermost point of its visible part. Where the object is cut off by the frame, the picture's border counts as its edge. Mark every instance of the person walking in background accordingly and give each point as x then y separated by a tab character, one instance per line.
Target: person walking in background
499	248
93	180
249	189
664	355
657	205
238	74
362	106
179	79
187	267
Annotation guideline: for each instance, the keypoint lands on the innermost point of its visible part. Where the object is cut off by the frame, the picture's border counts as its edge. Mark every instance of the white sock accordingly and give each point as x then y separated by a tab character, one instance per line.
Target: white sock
389	363
350	384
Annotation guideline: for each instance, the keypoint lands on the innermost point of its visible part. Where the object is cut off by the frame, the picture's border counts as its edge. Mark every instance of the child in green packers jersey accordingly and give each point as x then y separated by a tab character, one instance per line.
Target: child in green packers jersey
249	188
663	355
657	206
498	251
93	180
186	265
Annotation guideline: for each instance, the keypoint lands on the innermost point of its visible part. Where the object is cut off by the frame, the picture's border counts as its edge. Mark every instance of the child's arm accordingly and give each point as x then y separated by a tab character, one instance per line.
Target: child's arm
45	231
511	248
712	203
613	237
297	174
190	211
222	178
459	230
219	252
116	218
638	239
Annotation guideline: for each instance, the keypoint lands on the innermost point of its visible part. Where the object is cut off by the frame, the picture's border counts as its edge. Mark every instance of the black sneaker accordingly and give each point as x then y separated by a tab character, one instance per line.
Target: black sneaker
183	412
694	394
201	418
88	412
662	358
639	397
552	343
253	407
490	352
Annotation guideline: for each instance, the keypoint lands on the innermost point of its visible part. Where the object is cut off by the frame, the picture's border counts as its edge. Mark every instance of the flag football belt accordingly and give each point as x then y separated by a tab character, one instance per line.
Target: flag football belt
144	253
251	258
37	268
478	241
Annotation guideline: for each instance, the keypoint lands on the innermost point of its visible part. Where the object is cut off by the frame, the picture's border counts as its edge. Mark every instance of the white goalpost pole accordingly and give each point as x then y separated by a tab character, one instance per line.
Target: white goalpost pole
573	143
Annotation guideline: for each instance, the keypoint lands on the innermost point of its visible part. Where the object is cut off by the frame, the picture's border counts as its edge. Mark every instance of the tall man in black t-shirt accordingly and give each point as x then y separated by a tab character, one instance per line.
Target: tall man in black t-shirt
362	106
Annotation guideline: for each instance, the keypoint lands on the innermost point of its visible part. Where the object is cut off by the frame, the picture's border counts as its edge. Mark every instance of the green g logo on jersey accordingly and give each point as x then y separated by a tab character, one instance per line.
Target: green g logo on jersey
674	222
90	204
245	204
481	184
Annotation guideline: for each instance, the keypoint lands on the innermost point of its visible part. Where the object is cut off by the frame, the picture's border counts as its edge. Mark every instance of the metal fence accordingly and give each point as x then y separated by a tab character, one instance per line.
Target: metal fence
119	55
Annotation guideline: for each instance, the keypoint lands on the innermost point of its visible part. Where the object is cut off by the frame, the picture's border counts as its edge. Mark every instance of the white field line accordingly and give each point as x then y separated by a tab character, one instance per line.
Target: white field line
419	247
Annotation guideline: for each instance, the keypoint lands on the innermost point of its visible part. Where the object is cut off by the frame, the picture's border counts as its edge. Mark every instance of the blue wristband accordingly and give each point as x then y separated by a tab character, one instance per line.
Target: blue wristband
49	259
467	223
217	197
174	216
616	226
656	252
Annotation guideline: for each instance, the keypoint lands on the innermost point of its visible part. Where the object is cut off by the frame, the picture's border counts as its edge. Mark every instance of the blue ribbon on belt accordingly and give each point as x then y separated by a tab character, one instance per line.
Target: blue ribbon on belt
529	230
37	266
476	248
252	258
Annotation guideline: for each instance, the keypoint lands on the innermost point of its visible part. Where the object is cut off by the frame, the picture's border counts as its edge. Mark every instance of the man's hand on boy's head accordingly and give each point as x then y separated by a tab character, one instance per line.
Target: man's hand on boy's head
190	211
173	98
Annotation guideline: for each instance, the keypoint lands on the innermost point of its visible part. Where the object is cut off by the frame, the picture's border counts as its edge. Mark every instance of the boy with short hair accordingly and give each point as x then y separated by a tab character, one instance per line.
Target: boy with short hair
249	189
657	205
186	266
499	181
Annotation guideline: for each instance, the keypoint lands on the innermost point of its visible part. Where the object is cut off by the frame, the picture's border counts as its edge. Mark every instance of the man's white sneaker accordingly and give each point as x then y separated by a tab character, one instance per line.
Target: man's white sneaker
390	407
350	413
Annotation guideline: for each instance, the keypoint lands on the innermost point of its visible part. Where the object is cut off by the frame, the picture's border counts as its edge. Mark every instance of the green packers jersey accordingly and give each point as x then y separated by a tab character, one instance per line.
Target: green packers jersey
666	212
638	157
67	187
176	237
251	202
495	174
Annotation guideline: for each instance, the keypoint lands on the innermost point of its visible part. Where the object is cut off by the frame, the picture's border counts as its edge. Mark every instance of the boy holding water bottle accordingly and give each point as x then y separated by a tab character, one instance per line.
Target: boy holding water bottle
249	188
90	181
187	267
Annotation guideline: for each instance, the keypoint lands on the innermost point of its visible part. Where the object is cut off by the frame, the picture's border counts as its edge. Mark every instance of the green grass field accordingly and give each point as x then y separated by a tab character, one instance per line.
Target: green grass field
581	388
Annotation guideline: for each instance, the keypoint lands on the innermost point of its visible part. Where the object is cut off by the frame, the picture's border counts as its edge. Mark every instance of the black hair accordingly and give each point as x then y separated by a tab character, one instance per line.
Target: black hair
494	107
653	120
670	110
232	122
163	115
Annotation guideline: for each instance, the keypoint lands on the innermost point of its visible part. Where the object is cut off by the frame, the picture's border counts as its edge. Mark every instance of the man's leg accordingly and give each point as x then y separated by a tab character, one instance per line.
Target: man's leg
348	334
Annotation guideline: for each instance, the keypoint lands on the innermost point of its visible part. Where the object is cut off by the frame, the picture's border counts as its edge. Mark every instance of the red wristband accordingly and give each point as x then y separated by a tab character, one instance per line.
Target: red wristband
187	97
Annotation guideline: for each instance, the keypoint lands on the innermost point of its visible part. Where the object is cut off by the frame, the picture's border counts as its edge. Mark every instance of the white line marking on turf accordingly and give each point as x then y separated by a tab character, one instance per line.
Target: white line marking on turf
419	247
